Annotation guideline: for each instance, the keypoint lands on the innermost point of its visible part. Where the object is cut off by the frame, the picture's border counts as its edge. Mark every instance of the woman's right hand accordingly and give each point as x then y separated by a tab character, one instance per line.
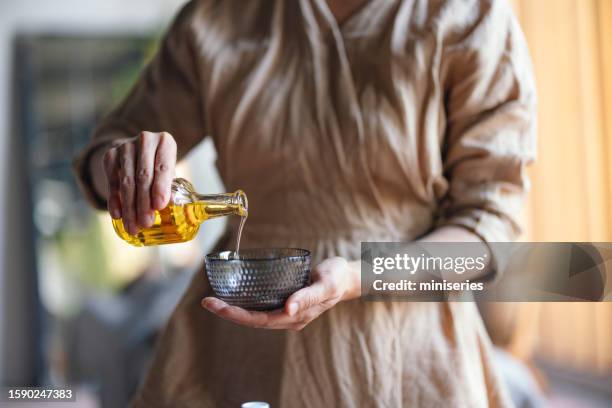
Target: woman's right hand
139	172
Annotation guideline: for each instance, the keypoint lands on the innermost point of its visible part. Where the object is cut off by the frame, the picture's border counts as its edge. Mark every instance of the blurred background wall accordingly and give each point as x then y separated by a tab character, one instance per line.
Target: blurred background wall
99	17
571	48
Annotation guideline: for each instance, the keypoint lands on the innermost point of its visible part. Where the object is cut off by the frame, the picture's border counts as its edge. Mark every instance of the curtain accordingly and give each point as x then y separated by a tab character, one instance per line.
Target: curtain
571	48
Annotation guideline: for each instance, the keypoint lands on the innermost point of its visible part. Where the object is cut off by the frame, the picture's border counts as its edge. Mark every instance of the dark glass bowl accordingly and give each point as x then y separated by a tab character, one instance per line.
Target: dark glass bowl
258	279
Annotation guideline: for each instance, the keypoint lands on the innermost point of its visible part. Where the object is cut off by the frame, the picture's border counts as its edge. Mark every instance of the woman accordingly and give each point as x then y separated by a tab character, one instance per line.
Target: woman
344	121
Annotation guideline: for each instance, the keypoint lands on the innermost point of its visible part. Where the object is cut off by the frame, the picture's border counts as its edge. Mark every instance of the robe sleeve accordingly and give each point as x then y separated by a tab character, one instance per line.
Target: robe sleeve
166	97
490	103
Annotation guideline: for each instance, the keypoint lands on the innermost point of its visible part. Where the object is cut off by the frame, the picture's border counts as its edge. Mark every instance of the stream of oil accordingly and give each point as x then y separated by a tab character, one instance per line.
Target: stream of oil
240	228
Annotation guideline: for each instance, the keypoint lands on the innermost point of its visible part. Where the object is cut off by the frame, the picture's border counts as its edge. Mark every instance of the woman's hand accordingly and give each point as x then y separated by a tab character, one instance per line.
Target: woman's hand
139	172
333	280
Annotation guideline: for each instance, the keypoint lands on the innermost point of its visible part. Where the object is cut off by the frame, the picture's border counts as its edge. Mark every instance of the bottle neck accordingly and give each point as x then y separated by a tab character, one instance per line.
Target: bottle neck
220	205
200	207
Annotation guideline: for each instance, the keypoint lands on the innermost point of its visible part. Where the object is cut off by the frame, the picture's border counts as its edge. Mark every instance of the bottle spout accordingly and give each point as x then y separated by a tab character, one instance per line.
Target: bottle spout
242	202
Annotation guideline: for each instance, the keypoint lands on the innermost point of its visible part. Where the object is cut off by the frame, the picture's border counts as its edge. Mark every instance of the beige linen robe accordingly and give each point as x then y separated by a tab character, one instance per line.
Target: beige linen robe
409	115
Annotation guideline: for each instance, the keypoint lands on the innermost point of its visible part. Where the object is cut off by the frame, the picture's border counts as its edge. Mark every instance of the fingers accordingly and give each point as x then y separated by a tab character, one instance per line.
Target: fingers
165	159
320	293
328	287
127	193
112	177
139	174
147	147
275	320
271	320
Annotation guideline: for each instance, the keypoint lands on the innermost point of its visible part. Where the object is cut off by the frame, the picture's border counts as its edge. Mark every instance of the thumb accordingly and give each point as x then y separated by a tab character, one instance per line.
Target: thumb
305	298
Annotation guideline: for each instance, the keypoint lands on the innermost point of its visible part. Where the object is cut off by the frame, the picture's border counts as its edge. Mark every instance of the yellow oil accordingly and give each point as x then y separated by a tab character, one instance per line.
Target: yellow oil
178	223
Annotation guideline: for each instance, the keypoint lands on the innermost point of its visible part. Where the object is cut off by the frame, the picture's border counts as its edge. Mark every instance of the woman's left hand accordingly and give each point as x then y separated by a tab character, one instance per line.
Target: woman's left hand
333	280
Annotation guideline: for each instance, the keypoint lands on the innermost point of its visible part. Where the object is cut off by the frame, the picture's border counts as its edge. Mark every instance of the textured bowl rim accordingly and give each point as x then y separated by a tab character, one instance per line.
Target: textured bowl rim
304	253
